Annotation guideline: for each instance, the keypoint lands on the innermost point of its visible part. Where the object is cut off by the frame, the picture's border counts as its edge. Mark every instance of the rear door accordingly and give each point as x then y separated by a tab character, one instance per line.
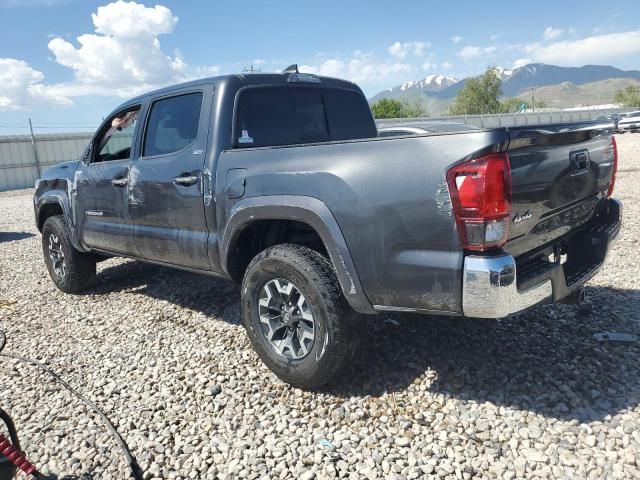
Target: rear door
558	174
165	193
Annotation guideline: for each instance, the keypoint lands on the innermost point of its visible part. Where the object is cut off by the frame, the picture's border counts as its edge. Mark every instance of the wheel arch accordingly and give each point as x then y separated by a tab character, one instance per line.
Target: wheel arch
307	211
56	202
46	210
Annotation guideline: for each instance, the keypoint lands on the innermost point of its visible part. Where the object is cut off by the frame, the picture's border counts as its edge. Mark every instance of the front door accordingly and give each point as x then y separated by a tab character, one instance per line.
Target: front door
165	191
101	187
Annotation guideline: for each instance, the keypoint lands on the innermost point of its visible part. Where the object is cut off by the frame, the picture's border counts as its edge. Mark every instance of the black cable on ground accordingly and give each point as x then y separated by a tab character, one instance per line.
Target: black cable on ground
136	471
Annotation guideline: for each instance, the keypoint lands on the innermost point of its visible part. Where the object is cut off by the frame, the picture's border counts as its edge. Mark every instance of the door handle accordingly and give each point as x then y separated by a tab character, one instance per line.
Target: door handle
120	182
186	180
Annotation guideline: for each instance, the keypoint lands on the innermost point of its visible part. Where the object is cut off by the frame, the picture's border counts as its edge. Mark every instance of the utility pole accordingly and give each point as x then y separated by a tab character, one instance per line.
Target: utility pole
35	149
533	99
251	69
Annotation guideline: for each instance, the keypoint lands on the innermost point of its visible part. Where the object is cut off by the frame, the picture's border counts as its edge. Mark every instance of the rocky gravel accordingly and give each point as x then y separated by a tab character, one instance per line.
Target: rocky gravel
162	353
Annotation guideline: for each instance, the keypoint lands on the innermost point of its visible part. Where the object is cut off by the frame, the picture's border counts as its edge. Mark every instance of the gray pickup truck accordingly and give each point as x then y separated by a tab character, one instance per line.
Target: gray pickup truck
281	183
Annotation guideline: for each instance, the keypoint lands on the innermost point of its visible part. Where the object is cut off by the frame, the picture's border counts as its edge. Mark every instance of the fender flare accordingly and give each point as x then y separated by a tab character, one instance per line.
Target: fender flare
58	197
314	213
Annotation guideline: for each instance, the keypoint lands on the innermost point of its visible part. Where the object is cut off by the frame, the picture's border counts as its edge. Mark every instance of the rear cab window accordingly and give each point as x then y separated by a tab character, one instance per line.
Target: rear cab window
285	115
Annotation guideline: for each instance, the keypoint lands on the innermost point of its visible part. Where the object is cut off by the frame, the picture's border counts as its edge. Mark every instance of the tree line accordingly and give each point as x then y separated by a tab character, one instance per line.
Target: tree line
628	97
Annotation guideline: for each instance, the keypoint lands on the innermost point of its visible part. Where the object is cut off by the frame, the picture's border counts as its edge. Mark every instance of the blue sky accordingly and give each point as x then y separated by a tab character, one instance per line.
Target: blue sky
67	63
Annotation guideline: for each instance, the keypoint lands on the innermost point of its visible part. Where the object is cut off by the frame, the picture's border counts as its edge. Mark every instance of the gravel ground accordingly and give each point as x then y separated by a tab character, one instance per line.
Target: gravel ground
163	354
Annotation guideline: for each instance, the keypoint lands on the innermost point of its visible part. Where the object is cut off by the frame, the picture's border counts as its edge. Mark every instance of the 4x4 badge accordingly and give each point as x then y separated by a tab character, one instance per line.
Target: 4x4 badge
521	217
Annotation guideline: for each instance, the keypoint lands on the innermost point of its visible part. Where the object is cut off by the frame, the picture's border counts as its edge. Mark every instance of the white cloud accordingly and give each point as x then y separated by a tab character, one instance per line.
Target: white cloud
521	62
456	39
21	87
429	67
494	37
123	56
469	52
551	33
420	47
401	50
598	49
447	65
362	68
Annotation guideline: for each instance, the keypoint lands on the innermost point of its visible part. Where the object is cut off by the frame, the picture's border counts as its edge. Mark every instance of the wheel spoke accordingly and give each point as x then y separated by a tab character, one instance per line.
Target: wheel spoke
306	331
56	255
287	323
286	343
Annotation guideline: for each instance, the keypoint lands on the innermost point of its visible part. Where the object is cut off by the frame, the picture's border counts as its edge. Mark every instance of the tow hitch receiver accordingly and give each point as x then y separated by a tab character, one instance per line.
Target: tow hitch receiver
577	297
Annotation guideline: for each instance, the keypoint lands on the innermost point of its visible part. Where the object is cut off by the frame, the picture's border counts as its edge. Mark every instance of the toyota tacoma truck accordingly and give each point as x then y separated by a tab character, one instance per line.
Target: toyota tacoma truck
281	183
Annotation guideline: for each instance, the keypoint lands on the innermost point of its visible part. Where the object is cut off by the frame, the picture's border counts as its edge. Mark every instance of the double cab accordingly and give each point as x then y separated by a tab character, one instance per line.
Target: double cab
281	183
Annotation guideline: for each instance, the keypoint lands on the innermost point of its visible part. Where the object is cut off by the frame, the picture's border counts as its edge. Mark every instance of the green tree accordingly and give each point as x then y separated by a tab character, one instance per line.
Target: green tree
479	95
390	108
513	104
629	97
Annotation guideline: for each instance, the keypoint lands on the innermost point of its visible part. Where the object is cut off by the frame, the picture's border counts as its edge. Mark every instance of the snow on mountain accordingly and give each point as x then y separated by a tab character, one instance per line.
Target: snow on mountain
503	73
431	83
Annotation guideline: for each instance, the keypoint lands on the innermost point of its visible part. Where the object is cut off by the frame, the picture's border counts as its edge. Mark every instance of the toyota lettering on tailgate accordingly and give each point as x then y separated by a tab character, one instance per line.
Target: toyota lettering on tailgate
574	216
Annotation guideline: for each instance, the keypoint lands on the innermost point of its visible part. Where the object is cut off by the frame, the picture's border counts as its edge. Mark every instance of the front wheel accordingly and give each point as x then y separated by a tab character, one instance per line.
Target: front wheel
70	270
296	317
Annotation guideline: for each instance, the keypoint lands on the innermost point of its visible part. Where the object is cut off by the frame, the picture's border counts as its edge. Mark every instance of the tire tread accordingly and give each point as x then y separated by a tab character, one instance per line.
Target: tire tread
81	267
341	319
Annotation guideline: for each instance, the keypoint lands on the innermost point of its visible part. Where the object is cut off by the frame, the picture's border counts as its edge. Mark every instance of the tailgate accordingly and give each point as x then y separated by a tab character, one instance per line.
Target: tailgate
559	173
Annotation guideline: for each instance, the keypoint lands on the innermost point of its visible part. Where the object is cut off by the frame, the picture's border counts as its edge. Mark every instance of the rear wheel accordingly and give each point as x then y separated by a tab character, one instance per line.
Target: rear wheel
70	270
296	317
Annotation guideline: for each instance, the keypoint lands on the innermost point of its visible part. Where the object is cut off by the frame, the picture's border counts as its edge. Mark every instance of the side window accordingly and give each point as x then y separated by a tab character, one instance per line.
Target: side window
173	124
280	116
265	117
311	116
116	142
349	115
272	116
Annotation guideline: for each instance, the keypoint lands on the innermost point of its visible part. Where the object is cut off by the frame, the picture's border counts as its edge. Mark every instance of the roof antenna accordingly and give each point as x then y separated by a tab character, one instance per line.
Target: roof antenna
291	69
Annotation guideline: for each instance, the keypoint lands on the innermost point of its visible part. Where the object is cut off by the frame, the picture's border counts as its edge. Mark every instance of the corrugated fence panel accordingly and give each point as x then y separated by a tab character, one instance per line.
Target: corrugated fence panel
18	167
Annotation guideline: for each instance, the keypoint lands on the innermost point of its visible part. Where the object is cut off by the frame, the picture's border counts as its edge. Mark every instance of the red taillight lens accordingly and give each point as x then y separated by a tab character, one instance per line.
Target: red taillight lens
480	192
612	184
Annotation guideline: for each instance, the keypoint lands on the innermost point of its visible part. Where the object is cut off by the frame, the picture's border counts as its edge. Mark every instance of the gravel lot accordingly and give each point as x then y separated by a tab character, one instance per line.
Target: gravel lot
163	354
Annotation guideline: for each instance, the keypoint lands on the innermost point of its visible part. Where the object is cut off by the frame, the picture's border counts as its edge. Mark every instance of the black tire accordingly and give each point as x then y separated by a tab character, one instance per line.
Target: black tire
334	322
78	270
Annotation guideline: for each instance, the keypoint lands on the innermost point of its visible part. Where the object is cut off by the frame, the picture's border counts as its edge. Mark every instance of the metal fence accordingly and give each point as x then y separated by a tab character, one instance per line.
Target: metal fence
513	119
23	157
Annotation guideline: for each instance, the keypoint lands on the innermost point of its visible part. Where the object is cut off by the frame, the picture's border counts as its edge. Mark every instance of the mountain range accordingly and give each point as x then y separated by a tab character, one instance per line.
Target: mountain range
575	85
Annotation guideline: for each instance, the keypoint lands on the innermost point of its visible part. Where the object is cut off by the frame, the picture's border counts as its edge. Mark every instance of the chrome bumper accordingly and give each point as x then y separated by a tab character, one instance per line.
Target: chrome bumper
489	288
489	284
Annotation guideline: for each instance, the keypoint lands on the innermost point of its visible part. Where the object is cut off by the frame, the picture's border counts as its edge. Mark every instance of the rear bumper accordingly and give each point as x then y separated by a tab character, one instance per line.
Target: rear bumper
491	287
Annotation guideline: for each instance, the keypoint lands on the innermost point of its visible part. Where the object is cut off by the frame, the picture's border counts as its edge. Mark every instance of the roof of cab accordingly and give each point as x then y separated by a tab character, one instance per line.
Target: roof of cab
244	79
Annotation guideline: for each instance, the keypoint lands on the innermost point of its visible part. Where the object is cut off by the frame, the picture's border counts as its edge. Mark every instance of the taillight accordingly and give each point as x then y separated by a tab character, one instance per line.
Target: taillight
480	192
614	149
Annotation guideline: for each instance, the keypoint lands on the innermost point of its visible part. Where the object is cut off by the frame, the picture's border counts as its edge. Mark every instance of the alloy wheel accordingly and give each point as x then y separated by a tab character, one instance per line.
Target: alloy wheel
286	321
56	255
